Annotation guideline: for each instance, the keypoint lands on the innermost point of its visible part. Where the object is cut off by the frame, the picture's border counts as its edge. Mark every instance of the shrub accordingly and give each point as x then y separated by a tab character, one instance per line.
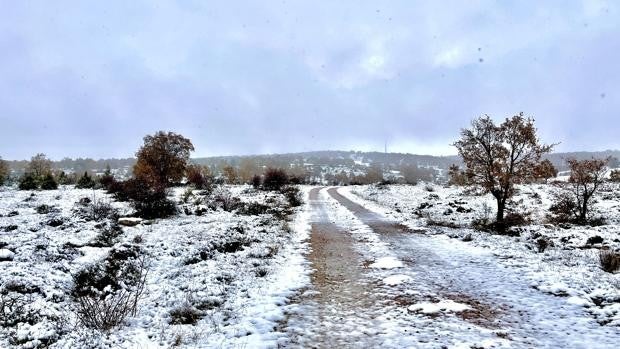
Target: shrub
186	314
292	195
106	293
610	260
27	182
107	179
614	176
224	199
14	309
253	209
85	182
107	236
256	181
48	182
200	177
154	204
514	219
100	210
564	208
274	179
131	189
66	179
541	244
4	171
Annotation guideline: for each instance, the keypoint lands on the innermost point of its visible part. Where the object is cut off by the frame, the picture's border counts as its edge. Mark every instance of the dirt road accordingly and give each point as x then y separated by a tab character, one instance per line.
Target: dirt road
445	295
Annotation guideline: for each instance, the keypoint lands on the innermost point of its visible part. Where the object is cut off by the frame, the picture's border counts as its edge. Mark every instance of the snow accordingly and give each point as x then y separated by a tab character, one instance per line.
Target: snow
394	280
568	269
442	305
6	254
423	288
387	263
245	291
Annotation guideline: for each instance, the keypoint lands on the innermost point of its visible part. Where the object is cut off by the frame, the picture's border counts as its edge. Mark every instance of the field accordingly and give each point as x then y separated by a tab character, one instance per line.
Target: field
379	265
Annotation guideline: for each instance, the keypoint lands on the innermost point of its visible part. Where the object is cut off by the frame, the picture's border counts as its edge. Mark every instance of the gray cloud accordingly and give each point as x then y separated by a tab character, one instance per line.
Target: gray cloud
90	79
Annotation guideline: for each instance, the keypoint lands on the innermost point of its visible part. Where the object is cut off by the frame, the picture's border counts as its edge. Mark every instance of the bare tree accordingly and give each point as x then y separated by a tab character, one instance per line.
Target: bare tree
248	168
162	159
39	166
230	174
499	156
585	178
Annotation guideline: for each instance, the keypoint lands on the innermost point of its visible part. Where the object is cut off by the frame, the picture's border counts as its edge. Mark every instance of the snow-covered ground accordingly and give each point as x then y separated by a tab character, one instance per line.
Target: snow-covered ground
568	268
249	277
235	270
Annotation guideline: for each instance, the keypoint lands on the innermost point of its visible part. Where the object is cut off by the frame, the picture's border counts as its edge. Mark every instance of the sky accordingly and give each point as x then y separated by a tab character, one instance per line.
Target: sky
91	78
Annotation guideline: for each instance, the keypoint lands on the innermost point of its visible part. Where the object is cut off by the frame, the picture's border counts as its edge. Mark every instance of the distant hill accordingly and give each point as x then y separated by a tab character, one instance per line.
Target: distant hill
316	162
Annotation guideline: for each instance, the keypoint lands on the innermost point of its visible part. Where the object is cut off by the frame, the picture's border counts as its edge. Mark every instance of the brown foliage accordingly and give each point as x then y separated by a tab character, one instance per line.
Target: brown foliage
499	156
614	176
162	159
585	179
457	176
199	176
544	170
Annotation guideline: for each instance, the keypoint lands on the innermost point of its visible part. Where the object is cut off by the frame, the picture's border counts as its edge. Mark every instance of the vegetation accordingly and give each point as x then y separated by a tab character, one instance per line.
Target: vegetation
614	176
274	179
457	176
163	159
230	174
544	171
85	182
107	179
499	156
27	182
199	176
4	171
48	182
586	178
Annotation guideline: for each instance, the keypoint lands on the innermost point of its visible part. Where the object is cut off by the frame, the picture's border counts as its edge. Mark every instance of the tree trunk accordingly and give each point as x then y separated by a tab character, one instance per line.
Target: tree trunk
583	214
501	205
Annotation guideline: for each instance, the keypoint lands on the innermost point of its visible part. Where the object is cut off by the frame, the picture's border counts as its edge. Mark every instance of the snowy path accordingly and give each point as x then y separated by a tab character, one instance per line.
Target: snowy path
425	291
334	313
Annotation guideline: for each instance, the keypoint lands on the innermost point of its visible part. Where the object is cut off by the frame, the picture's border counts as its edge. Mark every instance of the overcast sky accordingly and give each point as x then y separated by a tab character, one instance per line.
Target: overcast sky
91	78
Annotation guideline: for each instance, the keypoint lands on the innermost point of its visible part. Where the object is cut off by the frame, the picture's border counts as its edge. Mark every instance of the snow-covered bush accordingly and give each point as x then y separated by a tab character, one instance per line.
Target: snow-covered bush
222	198
106	293
292	195
610	260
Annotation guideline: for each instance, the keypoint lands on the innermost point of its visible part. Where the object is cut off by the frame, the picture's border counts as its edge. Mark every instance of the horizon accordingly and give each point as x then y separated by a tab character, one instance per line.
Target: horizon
294	153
